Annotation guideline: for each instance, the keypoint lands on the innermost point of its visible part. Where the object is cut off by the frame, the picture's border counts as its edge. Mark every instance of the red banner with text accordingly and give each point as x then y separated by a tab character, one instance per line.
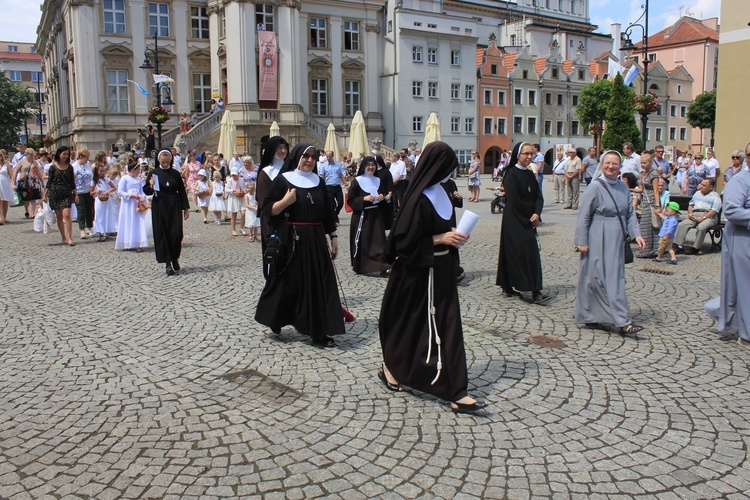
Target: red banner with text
268	70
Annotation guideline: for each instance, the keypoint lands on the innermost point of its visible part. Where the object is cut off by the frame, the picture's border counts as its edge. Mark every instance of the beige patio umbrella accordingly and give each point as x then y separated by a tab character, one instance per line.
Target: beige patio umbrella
228	136
331	143
358	139
432	131
275	130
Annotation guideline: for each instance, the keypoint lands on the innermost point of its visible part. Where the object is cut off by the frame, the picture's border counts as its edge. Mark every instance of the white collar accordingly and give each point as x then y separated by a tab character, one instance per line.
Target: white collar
520	168
301	179
369	184
440	201
272	170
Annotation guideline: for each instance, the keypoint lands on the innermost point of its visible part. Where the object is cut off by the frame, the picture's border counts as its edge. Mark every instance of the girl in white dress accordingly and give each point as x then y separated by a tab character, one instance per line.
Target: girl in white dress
251	213
132	227
115	174
235	190
105	212
217	204
202	191
6	189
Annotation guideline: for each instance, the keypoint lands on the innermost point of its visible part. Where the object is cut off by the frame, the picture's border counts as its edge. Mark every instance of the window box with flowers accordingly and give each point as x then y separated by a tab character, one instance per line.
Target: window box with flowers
646	103
157	114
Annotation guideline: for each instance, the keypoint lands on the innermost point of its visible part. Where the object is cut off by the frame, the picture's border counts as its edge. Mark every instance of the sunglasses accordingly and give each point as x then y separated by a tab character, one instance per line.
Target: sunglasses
736	157
309	155
698	157
659	150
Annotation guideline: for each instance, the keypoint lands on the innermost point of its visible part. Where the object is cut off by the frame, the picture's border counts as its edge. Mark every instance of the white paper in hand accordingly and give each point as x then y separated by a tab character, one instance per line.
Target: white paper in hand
156	182
467	223
374	195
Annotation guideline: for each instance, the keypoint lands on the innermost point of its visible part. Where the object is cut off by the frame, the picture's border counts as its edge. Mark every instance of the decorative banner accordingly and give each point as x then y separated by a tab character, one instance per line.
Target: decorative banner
268	66
215	94
143	91
163	79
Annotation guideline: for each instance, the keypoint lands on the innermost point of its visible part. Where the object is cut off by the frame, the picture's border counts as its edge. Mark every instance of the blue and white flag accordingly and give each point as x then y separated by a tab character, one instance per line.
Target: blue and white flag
631	74
143	91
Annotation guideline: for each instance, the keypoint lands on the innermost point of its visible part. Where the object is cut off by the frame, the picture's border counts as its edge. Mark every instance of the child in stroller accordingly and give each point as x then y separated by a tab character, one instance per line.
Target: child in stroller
499	202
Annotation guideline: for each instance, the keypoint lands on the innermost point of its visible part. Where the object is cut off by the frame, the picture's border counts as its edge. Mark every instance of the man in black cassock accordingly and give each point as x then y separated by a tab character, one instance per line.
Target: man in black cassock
520	265
168	209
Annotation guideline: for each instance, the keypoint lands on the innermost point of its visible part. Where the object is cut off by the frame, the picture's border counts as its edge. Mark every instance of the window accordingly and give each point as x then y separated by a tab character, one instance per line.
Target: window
559	128
518	97
518	125
572	6
199	22
158	19
488	125
469	125
117	91
318	32
416	89
416	124
652	57
559	4
493	69
455	125
501	126
531	125
455	58
658	135
432	55
575	100
12	48
513	40
352	97
488	96
525	74
14	76
416	54
351	35
574	128
319	96
555	73
547	127
716	56
455	91
222	23
501	98
673	110
532	97
672	133
559	99
114	16
547	98
202	92
683	133
679	89
683	111
37	76
432	90
264	18
463	155
581	76
469	92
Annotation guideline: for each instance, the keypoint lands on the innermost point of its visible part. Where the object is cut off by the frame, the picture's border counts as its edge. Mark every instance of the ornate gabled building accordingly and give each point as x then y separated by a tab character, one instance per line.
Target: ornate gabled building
493	110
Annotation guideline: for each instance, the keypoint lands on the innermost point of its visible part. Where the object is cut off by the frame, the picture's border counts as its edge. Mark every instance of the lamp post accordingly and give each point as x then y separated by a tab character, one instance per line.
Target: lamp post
167	101
26	101
627	45
38	92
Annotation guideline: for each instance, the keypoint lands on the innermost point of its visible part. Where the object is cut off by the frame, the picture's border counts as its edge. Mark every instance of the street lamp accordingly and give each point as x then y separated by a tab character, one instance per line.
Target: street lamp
628	46
167	101
26	101
38	92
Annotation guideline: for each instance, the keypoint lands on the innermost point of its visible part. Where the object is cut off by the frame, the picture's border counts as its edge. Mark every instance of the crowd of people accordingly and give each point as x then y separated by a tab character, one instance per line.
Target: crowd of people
403	227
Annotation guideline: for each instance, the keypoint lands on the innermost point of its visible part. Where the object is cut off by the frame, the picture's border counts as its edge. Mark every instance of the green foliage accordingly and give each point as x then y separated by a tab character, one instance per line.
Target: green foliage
12	112
593	102
702	111
620	118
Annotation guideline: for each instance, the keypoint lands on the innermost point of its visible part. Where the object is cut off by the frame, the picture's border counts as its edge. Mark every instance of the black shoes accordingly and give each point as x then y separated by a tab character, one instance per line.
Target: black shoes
540	298
176	265
388	385
324	341
472	408
169	270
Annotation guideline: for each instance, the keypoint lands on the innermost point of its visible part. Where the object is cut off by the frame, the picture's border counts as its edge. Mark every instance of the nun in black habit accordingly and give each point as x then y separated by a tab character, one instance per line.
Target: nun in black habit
386	180
420	320
301	291
367	229
271	161
169	207
520	264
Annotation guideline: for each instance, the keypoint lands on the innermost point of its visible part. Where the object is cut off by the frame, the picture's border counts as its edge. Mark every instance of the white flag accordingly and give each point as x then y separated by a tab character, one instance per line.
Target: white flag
163	79
613	68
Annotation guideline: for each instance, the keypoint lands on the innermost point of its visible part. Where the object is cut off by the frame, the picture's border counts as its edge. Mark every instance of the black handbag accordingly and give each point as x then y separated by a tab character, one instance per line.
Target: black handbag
629	257
280	247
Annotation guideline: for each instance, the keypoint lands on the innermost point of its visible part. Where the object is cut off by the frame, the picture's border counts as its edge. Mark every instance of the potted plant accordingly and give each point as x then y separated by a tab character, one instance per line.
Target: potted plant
646	103
158	114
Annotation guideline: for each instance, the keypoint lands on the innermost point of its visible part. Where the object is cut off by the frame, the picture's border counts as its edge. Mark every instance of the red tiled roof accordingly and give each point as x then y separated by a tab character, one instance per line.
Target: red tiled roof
509	61
20	56
684	31
567	66
540	64
480	56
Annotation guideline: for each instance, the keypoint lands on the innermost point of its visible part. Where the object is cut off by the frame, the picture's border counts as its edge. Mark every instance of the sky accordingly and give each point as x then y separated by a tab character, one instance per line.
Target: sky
21	25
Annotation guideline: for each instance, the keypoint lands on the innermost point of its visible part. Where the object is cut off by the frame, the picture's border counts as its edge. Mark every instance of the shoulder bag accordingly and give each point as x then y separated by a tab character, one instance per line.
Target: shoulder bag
280	247
629	257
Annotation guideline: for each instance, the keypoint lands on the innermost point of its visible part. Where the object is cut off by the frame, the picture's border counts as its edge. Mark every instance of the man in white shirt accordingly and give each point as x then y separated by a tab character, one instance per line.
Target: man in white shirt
558	176
236	161
631	162
176	159
417	154
20	154
398	172
572	177
712	164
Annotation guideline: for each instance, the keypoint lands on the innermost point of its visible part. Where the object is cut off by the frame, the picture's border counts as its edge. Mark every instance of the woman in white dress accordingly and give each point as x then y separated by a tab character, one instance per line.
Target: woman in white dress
115	174
202	190
216	204
252	221
235	190
105	210
132	226
6	191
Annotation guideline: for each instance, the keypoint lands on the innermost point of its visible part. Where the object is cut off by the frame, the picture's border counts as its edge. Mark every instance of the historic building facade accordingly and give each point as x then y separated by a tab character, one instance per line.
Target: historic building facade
22	65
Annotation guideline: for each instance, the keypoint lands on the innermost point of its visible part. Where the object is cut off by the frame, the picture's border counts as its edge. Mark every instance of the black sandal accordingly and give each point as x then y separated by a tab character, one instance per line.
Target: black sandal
324	342
630	329
540	298
388	385
469	408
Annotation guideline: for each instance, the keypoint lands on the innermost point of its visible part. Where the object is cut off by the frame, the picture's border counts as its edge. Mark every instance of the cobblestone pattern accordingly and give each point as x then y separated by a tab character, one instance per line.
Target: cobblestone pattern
119	382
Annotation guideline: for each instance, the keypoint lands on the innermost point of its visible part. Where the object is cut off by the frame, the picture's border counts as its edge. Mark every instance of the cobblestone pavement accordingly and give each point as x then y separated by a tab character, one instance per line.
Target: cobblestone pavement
117	381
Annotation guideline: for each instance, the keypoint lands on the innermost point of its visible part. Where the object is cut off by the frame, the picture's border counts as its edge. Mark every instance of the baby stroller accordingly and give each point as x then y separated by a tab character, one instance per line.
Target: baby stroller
498	203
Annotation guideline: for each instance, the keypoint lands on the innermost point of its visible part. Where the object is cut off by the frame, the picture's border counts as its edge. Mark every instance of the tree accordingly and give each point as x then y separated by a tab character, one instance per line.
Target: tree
702	112
620	118
13	112
592	106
